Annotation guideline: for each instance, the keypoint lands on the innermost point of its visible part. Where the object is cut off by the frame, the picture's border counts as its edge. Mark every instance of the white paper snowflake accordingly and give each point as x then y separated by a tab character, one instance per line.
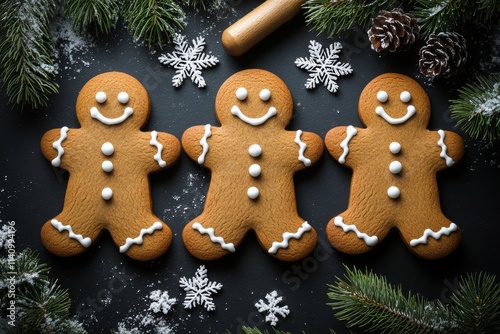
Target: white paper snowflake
324	66
199	290
161	302
272	308
188	60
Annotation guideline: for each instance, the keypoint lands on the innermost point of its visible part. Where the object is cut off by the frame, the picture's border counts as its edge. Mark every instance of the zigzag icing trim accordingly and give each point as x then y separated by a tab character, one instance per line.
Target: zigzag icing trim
139	239
85	242
436	235
210	231
287	236
302	148
157	156
369	240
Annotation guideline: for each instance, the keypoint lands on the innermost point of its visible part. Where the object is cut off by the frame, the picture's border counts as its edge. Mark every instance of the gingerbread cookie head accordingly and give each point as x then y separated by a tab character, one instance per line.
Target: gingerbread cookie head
393	99
254	97
113	98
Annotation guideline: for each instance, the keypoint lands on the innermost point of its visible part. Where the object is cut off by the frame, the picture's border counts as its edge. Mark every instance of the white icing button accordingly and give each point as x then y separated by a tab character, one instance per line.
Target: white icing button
107	193
241	93
253	192
395	167
405	96
101	97
395	147
122	97
254	170
107	166
265	94
382	96
107	148
255	150
393	192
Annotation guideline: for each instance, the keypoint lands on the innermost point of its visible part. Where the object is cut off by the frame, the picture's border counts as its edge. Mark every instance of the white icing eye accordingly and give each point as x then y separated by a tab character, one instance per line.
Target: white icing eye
241	93
123	97
265	94
382	96
101	97
405	96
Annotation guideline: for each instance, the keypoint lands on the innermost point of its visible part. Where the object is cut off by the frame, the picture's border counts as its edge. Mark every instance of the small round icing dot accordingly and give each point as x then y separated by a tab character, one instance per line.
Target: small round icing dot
395	147
255	170
393	192
382	96
241	93
253	192
107	148
395	167
405	96
107	166
265	94
122	97
107	193
255	150
101	97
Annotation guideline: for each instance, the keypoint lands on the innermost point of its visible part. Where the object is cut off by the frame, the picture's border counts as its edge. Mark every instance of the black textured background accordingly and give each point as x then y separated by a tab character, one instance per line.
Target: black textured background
108	288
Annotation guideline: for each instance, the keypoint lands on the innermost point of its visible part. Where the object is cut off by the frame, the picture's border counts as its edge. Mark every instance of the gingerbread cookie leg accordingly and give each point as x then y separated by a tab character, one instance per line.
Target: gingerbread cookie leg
141	237
68	235
355	231
289	238
208	239
433	239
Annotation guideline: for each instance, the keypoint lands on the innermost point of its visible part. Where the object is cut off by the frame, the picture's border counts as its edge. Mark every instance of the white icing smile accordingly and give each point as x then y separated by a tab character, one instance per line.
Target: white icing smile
253	121
94	113
410	112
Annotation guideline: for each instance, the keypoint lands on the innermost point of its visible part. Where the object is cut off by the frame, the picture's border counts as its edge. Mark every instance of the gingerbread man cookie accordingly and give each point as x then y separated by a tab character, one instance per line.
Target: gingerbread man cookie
109	160
394	161
252	159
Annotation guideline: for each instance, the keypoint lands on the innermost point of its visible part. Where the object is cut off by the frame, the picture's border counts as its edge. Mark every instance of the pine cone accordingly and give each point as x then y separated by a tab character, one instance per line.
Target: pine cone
393	31
443	54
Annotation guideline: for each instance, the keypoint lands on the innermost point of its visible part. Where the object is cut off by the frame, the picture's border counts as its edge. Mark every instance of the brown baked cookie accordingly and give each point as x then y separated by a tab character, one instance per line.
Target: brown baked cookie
109	160
252	158
394	162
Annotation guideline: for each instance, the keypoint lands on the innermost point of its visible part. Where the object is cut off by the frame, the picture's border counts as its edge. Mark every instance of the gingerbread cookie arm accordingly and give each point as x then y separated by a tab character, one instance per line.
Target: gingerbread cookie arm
339	142
309	148
195	142
166	149
53	145
450	146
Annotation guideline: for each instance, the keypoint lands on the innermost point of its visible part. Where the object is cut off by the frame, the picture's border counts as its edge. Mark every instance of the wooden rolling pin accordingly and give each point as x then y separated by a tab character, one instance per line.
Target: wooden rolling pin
256	25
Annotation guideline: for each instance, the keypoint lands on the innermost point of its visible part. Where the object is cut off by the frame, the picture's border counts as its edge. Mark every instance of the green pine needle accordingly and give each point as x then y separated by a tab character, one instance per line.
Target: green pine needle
337	16
476	304
27	69
101	15
367	301
154	21
203	4
477	109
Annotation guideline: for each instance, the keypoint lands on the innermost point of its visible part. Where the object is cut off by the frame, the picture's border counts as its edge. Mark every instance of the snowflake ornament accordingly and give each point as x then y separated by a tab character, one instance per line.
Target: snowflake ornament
188	60
272	307
161	302
199	290
323	66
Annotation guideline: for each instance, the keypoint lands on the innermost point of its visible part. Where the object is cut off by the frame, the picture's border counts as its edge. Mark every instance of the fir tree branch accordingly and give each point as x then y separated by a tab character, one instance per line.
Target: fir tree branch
477	109
154	21
203	4
337	16
476	304
26	51
100	15
368	301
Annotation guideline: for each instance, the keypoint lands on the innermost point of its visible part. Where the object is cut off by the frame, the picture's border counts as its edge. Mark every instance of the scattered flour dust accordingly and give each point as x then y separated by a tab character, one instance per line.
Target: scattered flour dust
72	48
189	202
